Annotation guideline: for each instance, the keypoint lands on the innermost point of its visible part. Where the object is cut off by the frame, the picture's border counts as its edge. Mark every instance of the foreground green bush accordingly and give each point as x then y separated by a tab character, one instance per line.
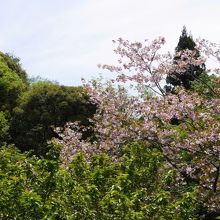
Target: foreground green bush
138	186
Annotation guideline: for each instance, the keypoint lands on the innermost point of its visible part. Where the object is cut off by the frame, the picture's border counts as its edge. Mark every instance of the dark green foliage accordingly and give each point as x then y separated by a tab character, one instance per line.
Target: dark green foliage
44	106
32	110
4	129
192	72
185	42
11	87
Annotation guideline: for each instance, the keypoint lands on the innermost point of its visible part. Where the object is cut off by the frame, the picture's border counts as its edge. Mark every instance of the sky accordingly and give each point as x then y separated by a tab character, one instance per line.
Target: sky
64	40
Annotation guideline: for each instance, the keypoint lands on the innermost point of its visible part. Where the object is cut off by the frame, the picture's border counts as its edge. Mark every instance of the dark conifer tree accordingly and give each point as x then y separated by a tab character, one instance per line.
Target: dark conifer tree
192	72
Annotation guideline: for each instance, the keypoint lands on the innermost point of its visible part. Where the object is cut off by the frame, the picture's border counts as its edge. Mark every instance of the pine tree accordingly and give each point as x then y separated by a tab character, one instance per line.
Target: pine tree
192	72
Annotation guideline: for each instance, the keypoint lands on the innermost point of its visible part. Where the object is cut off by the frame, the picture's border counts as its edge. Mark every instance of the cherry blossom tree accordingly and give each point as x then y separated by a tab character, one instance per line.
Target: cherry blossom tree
184	126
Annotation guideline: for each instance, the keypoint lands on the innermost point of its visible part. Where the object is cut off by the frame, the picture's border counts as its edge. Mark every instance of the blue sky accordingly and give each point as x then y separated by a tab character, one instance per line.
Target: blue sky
65	40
